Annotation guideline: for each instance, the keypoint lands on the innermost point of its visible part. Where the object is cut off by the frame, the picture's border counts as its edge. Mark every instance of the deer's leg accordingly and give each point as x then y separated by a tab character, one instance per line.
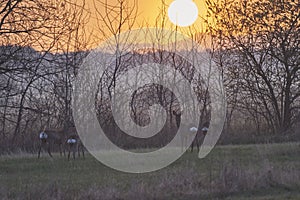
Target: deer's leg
69	151
197	145
40	148
74	151
64	149
182	143
60	150
82	150
49	151
78	150
192	146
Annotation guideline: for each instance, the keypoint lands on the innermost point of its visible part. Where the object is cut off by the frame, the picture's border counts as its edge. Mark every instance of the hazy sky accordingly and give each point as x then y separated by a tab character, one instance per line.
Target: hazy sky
148	10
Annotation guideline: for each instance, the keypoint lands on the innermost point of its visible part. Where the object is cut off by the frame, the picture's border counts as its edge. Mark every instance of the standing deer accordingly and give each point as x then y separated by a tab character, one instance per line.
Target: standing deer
50	138
198	136
178	121
192	130
74	144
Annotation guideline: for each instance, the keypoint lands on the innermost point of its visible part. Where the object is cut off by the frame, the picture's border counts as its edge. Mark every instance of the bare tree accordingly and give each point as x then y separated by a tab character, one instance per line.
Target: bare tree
258	49
29	76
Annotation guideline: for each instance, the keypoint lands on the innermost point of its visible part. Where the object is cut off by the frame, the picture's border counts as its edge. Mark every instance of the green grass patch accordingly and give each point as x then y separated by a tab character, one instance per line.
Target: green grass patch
268	171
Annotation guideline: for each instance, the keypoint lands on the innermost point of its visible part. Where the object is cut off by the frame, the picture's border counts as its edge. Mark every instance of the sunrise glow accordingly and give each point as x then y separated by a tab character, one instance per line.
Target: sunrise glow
183	12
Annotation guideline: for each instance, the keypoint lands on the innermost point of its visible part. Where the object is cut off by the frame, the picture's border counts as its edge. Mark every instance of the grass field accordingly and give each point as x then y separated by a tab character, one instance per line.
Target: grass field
270	171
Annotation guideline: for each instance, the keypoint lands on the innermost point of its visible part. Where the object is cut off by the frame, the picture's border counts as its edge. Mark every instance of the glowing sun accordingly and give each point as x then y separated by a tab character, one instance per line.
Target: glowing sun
183	12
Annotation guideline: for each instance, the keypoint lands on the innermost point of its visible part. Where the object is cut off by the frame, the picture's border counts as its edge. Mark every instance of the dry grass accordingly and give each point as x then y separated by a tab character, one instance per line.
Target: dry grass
230	172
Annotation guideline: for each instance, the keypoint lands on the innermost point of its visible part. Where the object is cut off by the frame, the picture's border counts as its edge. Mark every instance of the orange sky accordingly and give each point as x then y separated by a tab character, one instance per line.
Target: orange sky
148	10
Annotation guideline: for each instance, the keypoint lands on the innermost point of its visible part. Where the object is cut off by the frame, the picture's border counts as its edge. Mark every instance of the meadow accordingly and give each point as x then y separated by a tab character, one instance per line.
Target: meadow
262	171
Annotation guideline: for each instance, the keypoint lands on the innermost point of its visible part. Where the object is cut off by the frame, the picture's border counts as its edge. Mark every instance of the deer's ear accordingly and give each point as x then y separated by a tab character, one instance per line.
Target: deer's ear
176	113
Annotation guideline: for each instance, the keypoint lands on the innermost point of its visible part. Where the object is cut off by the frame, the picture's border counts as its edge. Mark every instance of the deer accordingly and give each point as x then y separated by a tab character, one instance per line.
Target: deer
197	139
178	121
74	144
49	138
192	130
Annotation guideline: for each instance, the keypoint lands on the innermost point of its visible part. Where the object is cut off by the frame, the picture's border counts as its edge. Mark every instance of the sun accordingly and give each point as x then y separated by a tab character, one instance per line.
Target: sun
183	12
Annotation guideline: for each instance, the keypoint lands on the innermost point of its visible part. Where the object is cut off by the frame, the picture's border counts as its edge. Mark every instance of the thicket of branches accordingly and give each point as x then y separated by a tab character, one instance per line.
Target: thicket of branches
255	44
39	51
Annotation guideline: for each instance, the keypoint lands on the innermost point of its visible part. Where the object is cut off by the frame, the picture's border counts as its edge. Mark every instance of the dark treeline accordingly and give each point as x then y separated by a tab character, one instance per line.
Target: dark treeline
35	93
255	44
257	47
